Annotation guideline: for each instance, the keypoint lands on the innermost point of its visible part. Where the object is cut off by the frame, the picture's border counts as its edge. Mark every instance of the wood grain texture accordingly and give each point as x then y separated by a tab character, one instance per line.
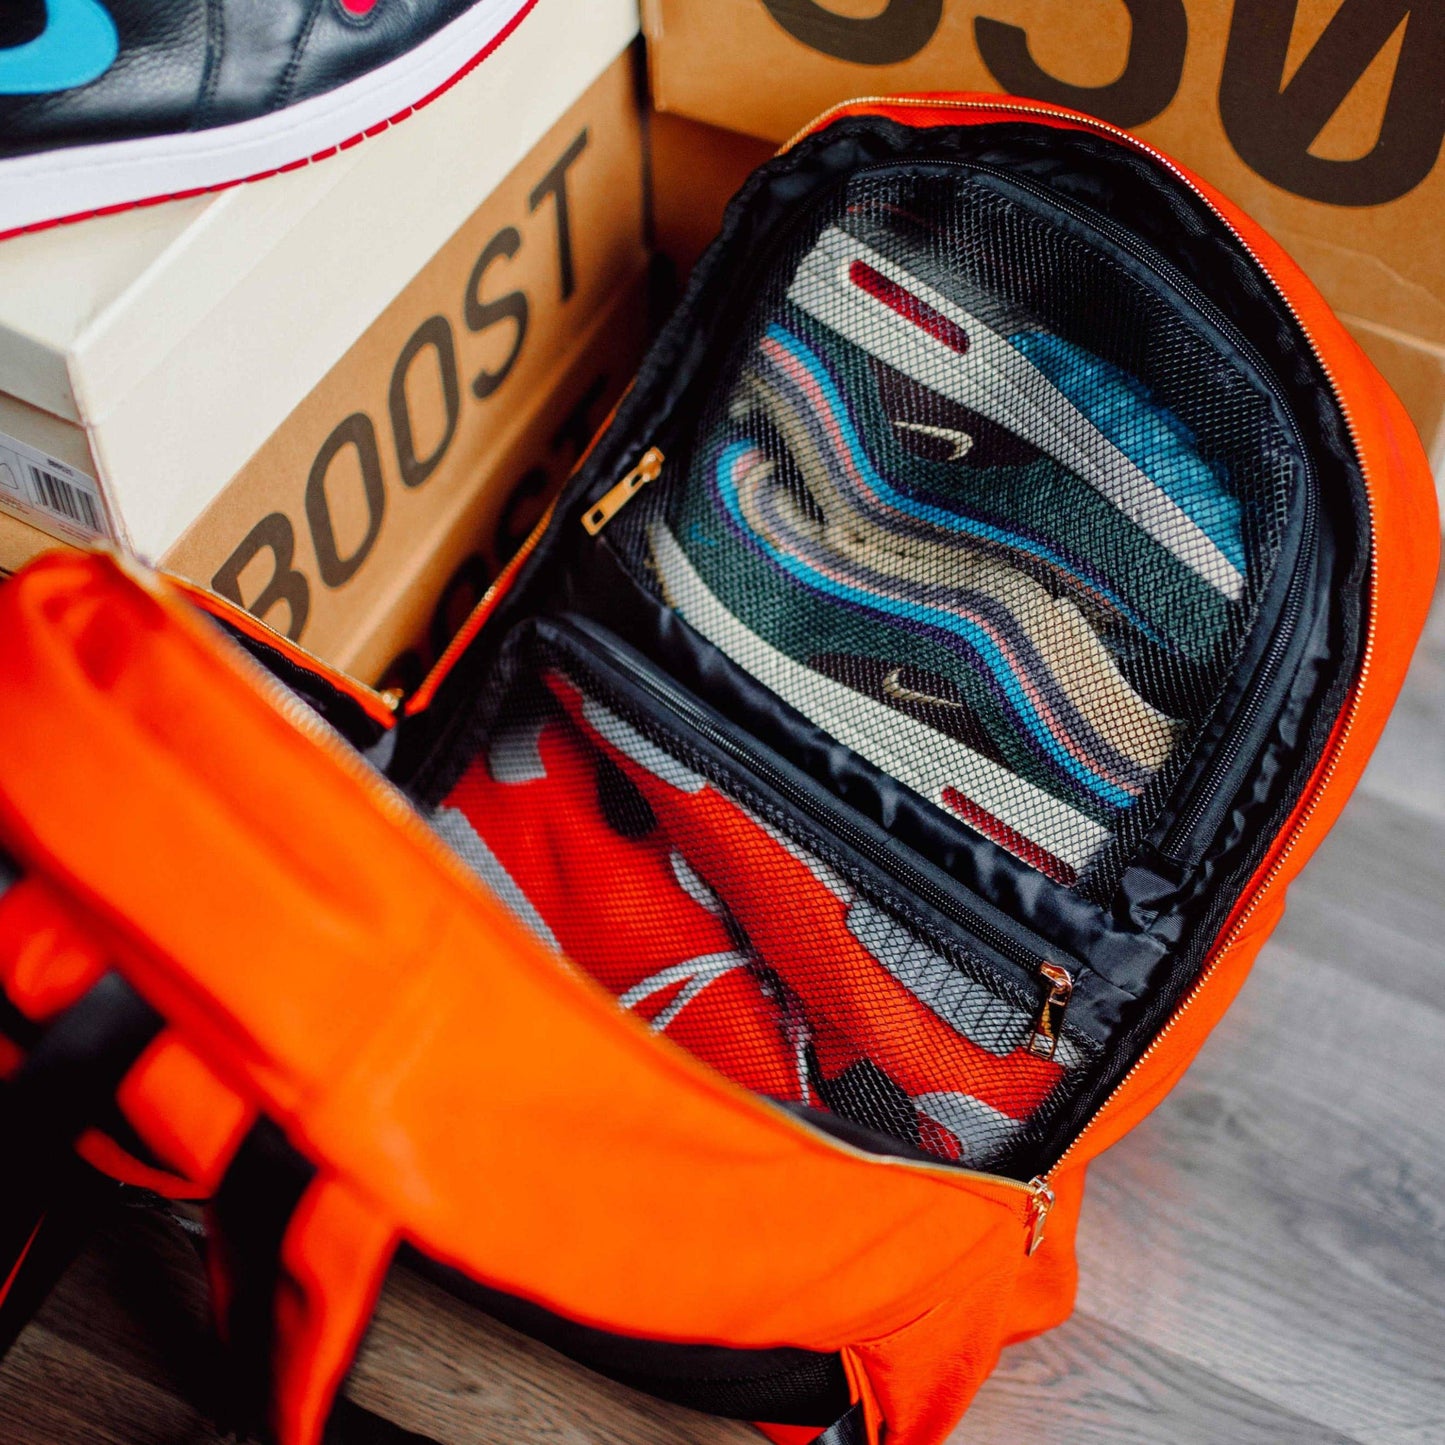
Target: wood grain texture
1263	1260
1088	1383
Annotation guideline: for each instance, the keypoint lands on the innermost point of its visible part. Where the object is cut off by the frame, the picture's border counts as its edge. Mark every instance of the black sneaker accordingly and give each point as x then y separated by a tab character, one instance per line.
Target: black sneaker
106	104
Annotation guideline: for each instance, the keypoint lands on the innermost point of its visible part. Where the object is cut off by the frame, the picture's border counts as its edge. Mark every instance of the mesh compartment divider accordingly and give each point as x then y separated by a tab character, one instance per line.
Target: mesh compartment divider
986	502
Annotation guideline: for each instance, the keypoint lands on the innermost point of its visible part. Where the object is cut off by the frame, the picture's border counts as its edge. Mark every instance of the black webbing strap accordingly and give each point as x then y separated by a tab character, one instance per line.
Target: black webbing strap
353	1424
260	1191
83	1199
21	1031
67	1081
849	1430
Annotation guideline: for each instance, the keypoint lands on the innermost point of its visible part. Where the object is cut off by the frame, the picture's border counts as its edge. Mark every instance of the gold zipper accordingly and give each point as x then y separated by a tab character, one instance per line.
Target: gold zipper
648	469
1043	1040
1042	1192
1041	1201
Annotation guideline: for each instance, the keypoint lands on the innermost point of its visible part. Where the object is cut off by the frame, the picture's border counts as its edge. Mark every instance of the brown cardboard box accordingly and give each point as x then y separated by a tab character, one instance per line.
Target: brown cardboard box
20	543
696	169
421	609
1323	120
381	476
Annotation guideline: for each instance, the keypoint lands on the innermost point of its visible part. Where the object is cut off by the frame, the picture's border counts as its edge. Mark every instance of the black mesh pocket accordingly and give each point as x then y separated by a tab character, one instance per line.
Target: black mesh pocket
737	931
987	500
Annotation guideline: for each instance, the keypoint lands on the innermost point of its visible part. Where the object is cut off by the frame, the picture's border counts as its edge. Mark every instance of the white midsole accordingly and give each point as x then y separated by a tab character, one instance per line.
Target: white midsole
77	180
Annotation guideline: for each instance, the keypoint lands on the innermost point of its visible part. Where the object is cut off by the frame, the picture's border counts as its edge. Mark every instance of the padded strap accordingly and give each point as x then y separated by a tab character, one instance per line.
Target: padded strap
849	1430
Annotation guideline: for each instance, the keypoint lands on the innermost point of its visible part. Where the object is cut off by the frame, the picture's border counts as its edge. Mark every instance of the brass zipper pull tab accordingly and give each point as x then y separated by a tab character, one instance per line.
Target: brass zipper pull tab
392	698
648	467
1041	1200
1044	1039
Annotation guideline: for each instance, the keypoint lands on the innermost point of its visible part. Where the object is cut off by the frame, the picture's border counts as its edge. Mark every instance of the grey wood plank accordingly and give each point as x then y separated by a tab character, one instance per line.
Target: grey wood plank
1280	1219
1088	1383
1372	900
433	1365
1408	767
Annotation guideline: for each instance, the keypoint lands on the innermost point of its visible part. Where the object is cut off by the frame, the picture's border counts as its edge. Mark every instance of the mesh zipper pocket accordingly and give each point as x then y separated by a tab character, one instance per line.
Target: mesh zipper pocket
985	499
738	931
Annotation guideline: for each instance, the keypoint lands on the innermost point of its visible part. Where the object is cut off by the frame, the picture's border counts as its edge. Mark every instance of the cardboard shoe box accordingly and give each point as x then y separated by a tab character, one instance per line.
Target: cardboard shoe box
167	344
1322	120
343	529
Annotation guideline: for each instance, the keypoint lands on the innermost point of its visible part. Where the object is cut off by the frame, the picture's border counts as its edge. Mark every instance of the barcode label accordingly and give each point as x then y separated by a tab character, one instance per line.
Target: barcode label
49	492
68	500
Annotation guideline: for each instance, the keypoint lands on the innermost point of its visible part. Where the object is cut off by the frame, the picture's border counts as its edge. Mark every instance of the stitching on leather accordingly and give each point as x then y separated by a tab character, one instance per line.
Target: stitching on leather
288	79
215	53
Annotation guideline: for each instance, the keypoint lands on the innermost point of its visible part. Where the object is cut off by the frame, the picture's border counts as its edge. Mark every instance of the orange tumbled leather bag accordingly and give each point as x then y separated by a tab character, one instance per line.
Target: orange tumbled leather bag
845	817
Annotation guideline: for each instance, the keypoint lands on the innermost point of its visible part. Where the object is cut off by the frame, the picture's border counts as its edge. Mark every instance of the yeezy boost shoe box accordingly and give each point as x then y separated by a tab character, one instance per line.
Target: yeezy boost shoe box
344	526
169	343
1323	120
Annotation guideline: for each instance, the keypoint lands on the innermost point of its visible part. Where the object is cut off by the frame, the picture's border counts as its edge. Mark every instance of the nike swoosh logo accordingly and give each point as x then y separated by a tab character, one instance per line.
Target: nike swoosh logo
960	439
78	45
895	690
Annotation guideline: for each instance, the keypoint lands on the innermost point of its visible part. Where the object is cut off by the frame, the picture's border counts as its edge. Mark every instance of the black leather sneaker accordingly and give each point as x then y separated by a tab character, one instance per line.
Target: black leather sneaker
106	104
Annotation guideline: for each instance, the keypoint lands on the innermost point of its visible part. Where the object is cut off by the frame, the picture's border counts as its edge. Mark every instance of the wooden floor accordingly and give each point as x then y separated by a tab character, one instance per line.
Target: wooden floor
1263	1260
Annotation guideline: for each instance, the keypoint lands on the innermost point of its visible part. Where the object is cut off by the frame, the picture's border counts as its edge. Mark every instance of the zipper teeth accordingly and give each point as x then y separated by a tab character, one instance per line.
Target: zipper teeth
341	681
1330	764
682	705
423	696
1243	722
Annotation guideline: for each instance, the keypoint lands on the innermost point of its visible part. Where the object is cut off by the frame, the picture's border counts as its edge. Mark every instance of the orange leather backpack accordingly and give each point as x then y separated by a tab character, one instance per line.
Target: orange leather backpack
845	818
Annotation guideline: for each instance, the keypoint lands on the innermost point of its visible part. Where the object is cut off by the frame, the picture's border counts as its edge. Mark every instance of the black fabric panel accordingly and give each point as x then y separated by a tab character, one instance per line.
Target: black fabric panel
253	1206
782	1386
73	1069
333	706
16	1026
351	1424
24	1032
82	1199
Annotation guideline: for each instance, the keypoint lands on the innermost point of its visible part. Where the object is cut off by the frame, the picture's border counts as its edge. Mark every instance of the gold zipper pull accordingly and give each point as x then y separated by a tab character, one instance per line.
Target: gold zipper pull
392	697
1041	1200
1044	1038
646	470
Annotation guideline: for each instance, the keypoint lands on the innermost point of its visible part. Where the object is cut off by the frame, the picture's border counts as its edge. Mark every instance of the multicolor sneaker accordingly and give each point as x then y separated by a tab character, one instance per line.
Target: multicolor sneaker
107	104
